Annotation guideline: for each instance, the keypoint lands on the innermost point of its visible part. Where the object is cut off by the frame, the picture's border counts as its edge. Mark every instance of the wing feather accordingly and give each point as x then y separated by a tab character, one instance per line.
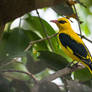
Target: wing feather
79	50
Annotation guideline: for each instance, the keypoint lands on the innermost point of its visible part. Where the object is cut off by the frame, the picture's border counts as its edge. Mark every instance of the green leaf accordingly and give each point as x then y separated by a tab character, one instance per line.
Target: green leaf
53	60
82	75
35	26
13	44
87	31
85	28
17	75
15	41
33	36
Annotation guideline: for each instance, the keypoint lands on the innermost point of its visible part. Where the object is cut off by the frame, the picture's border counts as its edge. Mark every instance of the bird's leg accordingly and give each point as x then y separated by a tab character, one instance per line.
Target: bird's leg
71	64
76	64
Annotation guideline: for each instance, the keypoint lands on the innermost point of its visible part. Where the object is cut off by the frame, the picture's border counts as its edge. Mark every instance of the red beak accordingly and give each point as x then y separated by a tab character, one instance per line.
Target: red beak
54	21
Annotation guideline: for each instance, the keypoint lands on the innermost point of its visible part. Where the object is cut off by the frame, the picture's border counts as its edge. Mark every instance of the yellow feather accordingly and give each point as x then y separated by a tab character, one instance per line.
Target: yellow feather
65	27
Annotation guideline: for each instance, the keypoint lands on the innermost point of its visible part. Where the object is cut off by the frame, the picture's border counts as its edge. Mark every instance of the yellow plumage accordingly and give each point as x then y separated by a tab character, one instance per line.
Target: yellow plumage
72	44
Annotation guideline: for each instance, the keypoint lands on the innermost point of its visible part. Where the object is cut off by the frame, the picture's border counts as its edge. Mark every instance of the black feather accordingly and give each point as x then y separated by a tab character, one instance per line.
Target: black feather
62	21
78	49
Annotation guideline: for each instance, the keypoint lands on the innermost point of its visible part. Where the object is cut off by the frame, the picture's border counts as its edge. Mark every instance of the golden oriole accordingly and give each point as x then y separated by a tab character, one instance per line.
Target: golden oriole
72	44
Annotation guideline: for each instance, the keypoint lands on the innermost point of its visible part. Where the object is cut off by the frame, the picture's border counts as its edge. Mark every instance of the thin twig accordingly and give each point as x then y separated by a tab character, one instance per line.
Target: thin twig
19	71
20	23
81	3
40	40
45	31
77	19
8	63
82	36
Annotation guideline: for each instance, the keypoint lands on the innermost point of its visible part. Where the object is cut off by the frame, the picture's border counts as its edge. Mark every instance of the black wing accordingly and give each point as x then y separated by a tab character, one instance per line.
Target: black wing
78	49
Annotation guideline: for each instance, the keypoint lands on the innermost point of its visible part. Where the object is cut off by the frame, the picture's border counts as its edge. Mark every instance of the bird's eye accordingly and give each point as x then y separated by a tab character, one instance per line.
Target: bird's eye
62	21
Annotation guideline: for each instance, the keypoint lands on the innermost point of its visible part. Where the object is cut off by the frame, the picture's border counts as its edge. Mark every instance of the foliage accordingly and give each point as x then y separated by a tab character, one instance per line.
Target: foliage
40	59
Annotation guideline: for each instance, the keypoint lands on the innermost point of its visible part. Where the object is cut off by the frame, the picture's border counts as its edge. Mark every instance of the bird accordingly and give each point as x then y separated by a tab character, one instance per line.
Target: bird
72	44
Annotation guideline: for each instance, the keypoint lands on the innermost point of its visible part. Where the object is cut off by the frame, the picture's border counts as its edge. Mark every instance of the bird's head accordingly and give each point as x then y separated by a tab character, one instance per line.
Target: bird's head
62	23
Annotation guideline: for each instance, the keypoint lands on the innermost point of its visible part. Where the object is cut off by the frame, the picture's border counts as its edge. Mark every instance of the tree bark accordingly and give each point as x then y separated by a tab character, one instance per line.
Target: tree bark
11	9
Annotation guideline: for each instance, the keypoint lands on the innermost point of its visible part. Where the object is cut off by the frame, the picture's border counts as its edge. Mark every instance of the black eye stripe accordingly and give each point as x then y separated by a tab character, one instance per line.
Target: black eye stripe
62	21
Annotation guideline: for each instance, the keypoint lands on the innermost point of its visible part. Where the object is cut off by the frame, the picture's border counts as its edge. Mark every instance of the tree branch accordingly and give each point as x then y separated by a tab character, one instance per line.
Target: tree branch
61	73
19	71
77	19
